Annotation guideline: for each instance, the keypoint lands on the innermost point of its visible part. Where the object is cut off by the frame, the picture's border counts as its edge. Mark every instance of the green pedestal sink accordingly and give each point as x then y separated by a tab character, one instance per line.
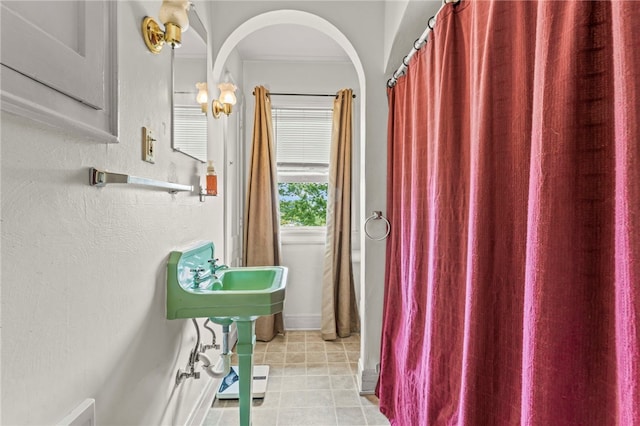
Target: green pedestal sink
197	289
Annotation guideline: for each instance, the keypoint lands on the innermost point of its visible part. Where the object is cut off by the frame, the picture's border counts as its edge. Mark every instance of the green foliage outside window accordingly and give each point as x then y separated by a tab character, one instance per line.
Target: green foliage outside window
303	203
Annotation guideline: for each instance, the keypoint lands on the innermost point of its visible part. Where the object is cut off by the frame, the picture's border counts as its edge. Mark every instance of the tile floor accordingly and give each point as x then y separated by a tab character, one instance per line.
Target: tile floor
311	382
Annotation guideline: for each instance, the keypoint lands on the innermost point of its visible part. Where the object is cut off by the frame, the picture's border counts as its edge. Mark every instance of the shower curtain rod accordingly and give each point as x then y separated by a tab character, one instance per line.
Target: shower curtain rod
303	94
417	45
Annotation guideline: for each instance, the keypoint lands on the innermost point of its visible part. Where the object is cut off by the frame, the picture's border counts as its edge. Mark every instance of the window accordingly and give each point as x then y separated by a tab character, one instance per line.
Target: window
190	130
303	143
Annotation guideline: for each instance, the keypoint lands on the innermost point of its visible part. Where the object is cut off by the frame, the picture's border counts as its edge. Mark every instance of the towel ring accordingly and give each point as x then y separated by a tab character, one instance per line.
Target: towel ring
377	215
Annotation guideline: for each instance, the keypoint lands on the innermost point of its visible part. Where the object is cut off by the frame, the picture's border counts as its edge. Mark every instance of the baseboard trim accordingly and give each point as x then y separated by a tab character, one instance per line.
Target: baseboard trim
302	322
201	408
367	379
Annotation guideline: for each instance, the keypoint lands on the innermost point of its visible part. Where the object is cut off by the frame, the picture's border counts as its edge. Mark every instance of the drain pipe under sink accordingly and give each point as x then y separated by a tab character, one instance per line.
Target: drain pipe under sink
223	366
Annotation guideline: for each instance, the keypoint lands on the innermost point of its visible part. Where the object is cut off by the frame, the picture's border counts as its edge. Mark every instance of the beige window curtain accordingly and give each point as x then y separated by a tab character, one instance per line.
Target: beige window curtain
339	308
262	218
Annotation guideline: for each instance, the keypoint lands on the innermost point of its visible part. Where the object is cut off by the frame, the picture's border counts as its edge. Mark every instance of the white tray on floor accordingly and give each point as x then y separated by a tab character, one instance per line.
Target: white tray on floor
230	387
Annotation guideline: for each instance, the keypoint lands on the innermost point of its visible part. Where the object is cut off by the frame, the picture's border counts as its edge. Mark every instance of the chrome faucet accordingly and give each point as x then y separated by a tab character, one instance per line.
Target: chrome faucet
215	267
199	276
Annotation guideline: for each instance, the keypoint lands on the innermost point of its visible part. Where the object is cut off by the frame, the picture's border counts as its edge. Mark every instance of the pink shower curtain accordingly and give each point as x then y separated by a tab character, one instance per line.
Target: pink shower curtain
513	265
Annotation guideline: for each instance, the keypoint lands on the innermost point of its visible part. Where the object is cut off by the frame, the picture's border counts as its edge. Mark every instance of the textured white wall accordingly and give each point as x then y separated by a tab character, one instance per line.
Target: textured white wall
393	14
83	268
405	21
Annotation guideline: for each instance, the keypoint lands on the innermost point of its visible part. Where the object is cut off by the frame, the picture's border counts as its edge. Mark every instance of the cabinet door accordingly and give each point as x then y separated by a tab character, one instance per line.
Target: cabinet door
58	58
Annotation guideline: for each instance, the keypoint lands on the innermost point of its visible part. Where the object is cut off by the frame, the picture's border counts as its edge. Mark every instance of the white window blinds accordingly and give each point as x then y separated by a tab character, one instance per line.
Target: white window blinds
303	136
190	130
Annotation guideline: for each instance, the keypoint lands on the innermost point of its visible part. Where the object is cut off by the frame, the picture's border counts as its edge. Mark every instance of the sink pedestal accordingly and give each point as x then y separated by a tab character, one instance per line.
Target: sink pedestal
244	348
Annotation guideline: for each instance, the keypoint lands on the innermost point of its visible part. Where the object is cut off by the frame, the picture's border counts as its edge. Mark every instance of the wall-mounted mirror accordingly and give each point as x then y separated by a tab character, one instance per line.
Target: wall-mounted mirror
189	134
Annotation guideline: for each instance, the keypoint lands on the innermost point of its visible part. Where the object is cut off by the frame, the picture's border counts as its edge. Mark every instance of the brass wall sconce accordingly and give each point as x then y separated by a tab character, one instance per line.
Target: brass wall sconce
173	14
226	100
203	96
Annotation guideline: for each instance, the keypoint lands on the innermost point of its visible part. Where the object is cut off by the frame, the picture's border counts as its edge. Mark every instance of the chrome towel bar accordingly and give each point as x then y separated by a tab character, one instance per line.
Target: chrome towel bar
102	178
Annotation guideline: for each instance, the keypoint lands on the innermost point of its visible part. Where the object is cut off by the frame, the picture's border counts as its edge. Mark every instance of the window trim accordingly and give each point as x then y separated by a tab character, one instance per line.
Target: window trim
303	235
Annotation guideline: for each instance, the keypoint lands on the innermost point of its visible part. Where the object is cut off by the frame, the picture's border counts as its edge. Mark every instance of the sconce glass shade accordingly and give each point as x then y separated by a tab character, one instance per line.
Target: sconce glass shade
173	14
227	93
226	100
202	97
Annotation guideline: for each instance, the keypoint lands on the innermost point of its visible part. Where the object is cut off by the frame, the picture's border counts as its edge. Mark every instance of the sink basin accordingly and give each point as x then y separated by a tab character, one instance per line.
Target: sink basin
194	291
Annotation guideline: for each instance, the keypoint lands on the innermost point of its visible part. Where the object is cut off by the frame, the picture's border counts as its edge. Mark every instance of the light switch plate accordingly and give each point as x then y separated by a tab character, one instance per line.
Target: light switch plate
148	146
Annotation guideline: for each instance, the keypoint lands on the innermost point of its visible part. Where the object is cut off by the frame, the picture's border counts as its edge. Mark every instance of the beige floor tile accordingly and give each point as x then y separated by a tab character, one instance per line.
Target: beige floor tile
315	416
294	383
274	384
350	416
230	418
333	346
267	417
319	398
343	383
274	357
317	369
271	400
339	368
295	357
336	357
296	346
276	347
374	417
318	382
351	347
317	356
353	356
293	399
295	370
346	398
315	346
258	358
276	370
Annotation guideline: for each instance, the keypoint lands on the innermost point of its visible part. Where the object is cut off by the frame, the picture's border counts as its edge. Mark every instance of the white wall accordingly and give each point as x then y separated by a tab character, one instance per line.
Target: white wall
303	252
83	268
393	15
405	21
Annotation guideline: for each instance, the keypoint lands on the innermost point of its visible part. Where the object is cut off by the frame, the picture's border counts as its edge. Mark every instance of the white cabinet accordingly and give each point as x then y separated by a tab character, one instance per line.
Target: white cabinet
59	63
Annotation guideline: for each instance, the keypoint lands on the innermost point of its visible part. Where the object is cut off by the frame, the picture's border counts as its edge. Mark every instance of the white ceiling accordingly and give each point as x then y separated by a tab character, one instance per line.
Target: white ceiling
290	42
